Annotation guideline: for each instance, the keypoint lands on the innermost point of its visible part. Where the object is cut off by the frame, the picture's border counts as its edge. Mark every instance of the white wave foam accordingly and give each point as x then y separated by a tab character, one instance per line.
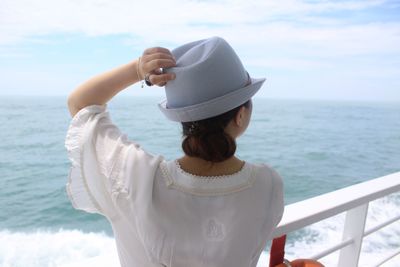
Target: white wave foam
65	248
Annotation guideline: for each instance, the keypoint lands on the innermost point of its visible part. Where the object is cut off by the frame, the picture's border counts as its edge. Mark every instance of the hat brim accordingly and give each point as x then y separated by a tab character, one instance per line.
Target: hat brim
212	107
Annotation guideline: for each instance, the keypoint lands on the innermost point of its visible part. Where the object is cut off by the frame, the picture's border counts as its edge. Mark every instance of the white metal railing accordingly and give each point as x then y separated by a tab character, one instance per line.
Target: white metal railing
354	201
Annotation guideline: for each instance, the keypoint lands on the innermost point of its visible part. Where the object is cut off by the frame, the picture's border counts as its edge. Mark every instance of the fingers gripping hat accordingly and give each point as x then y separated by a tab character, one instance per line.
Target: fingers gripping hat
210	80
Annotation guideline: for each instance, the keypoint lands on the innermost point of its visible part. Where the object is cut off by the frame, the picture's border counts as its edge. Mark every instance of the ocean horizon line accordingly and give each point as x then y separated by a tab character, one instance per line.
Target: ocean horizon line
289	99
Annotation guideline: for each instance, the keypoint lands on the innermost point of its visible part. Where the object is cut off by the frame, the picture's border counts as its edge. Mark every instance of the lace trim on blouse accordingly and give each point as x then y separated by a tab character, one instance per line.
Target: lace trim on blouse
179	168
176	177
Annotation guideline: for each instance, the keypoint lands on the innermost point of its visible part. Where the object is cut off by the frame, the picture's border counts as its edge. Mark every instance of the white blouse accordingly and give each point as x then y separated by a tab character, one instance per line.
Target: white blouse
162	215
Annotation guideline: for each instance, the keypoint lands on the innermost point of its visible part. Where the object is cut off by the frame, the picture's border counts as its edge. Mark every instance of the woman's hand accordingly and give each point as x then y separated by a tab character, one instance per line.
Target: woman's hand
152	62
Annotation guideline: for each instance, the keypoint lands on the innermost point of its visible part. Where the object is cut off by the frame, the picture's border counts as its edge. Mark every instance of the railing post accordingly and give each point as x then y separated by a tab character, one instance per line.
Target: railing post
353	229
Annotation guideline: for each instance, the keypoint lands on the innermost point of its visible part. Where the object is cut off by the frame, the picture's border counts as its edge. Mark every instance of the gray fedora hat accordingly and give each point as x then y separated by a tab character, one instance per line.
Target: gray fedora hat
210	80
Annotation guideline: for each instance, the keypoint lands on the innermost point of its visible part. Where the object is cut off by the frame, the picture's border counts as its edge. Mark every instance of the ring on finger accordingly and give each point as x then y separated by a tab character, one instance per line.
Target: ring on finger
147	79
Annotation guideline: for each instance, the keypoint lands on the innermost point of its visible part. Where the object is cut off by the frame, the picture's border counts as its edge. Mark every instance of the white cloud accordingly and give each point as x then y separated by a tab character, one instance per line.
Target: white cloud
291	35
172	20
259	25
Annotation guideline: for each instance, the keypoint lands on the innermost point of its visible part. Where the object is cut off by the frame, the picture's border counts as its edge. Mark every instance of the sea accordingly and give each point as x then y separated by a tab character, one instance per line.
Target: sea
317	146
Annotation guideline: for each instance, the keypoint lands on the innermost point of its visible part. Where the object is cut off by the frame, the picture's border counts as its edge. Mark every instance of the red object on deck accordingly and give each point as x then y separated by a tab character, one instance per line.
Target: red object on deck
277	253
277	256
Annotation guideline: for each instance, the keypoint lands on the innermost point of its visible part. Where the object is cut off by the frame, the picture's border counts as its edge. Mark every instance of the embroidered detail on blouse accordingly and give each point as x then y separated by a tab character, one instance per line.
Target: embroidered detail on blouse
213	230
165	174
117	184
174	178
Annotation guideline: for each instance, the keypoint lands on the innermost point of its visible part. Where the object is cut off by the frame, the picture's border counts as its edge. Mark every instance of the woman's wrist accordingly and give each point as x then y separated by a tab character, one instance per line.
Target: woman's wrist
139	74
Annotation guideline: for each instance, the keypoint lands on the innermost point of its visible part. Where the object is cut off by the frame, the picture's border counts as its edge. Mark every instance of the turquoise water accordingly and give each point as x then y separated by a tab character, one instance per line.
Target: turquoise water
316	146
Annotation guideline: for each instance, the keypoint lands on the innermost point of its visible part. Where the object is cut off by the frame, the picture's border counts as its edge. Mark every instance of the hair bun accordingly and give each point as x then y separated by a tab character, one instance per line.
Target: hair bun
207	139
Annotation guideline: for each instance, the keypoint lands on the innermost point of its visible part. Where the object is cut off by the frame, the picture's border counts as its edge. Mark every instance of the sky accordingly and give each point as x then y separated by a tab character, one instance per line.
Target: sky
334	50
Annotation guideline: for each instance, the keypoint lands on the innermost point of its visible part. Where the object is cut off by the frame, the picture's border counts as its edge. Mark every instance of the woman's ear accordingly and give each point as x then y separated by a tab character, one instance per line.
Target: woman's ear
240	115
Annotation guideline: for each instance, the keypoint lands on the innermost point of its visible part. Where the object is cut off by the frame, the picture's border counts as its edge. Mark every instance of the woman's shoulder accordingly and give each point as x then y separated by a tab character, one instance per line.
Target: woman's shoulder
266	172
261	166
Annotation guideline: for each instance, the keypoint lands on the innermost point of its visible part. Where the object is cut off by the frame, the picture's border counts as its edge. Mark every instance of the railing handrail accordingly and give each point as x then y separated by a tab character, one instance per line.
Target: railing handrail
312	210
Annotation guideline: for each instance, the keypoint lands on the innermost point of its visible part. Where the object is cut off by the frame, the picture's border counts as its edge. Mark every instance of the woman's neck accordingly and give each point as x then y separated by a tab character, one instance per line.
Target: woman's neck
201	167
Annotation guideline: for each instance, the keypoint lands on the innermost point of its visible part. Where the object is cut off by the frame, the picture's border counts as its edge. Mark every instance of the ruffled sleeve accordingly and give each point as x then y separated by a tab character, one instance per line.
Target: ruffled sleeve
97	151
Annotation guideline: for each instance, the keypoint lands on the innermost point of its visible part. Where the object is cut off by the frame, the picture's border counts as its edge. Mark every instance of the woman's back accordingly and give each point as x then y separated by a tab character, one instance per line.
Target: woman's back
187	220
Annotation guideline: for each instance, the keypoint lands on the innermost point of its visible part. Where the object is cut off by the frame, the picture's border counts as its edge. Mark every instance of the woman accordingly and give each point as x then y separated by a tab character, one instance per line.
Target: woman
207	208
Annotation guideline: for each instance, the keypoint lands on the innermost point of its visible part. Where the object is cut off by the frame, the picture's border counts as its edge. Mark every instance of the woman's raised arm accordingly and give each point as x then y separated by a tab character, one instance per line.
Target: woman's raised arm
99	89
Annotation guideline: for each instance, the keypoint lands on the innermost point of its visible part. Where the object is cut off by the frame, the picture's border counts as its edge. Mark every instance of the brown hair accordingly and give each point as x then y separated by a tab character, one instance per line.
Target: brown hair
207	139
